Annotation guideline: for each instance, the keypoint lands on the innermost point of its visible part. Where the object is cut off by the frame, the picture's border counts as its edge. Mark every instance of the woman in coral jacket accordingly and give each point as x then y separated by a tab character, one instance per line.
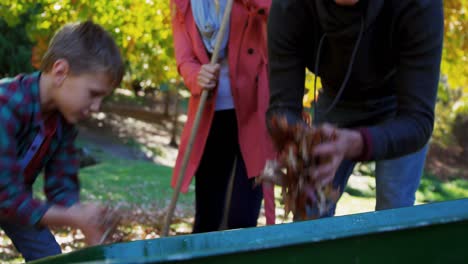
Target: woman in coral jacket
232	125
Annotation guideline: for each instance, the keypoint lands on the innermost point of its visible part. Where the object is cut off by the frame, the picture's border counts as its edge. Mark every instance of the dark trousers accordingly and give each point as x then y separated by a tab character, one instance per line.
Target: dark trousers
32	242
212	178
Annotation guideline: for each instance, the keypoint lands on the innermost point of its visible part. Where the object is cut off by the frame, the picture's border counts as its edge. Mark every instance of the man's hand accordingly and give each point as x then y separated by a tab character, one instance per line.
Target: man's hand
348	145
208	76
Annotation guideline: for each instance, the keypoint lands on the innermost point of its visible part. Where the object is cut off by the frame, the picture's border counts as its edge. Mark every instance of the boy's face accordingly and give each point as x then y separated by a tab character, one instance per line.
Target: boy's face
79	96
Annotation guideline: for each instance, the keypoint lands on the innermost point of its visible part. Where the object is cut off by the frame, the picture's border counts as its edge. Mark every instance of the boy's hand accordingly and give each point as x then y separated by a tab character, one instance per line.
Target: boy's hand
93	220
348	145
208	76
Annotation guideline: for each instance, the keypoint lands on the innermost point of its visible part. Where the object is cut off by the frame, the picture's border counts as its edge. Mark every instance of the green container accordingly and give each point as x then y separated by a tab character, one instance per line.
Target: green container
432	233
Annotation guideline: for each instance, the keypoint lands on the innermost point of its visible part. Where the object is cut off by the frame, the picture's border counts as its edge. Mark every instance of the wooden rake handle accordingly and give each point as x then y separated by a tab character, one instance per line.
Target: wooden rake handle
201	106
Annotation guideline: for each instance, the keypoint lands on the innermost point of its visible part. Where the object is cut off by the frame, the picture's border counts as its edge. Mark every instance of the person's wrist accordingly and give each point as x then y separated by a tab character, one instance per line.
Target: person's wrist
59	216
74	215
355	144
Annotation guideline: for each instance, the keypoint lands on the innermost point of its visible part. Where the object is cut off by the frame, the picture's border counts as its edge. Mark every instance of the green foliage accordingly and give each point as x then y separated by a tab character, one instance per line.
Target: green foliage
141	28
455	56
11	10
15	49
460	107
433	190
445	116
453	88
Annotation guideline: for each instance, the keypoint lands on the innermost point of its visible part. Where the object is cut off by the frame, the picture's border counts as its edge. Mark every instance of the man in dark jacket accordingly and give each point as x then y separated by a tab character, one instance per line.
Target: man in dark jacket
379	63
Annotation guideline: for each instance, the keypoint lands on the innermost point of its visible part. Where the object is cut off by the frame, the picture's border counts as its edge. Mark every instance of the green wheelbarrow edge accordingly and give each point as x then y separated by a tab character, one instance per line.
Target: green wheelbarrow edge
196	246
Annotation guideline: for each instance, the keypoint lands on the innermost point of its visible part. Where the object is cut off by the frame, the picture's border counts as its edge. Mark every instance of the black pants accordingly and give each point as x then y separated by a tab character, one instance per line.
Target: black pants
212	178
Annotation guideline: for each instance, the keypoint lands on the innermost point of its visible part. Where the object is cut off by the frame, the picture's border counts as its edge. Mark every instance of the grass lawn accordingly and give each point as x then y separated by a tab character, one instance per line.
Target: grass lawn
359	195
143	183
114	181
137	182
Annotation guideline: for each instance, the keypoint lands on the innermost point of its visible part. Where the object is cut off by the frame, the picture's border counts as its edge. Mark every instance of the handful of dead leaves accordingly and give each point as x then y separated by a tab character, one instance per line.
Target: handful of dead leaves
293	169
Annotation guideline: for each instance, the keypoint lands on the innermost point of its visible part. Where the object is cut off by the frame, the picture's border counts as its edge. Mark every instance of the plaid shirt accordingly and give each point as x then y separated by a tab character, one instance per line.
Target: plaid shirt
20	122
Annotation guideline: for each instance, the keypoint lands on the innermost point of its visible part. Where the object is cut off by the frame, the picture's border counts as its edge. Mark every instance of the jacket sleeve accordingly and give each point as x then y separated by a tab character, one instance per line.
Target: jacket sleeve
420	33
188	65
286	61
16	202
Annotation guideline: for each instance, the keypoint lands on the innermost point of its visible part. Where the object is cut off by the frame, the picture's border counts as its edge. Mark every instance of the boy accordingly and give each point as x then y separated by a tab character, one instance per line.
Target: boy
38	113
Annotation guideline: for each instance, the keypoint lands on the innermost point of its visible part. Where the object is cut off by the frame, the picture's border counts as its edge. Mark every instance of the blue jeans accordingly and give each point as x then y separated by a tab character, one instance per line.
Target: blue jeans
32	242
396	180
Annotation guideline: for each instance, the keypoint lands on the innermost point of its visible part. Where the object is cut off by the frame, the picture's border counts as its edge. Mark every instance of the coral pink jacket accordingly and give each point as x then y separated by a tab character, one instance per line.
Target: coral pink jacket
247	58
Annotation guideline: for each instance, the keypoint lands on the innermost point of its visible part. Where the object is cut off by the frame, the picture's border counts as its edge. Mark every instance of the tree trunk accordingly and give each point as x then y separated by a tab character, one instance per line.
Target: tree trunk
459	128
167	102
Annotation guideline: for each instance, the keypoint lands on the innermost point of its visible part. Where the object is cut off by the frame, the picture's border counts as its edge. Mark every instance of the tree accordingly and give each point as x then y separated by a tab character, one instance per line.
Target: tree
141	28
15	49
455	56
452	104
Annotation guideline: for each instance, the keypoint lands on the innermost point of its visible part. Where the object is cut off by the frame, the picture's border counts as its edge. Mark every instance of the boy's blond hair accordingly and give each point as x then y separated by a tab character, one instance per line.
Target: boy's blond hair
87	48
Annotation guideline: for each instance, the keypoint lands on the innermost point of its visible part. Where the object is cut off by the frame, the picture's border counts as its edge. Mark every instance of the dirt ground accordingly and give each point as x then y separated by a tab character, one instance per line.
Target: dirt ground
121	131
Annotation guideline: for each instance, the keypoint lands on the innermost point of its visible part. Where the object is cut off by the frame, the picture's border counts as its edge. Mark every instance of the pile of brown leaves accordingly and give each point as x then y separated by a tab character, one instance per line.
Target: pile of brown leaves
293	169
